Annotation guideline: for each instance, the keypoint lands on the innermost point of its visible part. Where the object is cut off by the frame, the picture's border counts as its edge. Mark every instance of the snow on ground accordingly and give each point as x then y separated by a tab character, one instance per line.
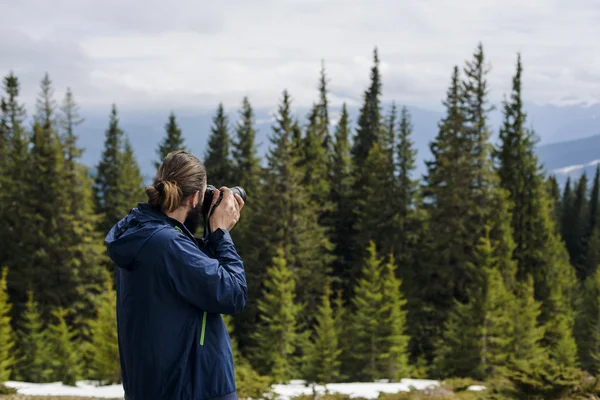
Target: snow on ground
83	389
283	392
366	390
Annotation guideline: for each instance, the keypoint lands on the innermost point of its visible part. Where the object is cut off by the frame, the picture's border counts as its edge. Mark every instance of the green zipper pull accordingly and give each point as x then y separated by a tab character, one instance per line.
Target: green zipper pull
203	329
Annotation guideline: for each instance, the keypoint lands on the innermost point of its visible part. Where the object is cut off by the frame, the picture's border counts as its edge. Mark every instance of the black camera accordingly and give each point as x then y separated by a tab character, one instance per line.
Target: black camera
210	191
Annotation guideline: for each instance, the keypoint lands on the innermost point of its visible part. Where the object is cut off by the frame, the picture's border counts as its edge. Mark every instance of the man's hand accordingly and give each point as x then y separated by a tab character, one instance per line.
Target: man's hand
227	213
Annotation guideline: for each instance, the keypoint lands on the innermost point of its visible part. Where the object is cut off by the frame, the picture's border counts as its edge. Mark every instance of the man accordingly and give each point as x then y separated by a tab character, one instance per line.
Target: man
173	288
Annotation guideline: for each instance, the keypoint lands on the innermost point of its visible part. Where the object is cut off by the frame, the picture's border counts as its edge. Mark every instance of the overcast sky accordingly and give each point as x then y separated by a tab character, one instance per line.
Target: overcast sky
193	53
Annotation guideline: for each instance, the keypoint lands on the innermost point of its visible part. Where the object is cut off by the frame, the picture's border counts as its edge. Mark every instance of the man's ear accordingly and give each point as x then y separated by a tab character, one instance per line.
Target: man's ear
195	199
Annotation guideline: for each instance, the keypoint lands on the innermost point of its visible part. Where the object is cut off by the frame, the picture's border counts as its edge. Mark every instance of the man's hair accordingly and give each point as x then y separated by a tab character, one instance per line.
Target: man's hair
180	175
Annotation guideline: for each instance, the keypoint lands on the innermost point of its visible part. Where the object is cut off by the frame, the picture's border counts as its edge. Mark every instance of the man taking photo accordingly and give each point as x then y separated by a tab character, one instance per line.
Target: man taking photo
173	288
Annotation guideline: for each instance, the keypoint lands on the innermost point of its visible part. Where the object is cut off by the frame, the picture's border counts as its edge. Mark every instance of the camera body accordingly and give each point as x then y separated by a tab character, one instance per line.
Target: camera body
210	192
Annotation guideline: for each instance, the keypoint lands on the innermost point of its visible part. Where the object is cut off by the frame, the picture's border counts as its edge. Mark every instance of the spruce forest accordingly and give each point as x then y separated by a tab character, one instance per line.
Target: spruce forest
357	268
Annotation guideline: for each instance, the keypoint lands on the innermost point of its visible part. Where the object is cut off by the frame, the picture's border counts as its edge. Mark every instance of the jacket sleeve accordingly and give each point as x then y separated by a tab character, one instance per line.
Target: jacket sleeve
215	285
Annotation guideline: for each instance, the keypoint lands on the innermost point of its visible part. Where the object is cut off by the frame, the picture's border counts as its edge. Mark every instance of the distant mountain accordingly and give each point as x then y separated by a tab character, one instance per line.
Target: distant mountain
565	125
571	158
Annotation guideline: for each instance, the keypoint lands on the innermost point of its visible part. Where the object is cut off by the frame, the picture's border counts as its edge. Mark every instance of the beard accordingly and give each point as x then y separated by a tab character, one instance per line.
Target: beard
192	220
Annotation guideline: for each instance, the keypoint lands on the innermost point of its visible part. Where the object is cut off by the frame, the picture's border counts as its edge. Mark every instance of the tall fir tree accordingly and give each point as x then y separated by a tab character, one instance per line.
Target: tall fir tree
375	214
554	193
461	198
365	329
587	327
34	356
218	161
533	227
394	358
65	362
45	249
566	207
247	172
592	235
323	353
322	114
247	168
69	120
576	225
287	218
7	338
478	334
390	138
81	237
13	164
118	182
371	128
105	365
277	334
341	218
408	218
171	142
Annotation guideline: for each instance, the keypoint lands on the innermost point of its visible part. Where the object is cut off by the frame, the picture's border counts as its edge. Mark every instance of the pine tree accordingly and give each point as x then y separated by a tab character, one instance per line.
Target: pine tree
287	218
322	355
276	334
69	120
65	360
526	344
247	163
171	142
375	214
394	359
533	228
406	191
587	328
554	193
592	236
46	250
130	180
566	207
247	174
104	349
7	343
13	163
83	241
478	335
218	162
390	139
578	217
342	216
315	164
118	182
461	198
34	352
366	323
371	128
322	114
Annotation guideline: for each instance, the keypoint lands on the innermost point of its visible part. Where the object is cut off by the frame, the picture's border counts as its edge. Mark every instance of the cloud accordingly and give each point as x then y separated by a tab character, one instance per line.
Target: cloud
190	53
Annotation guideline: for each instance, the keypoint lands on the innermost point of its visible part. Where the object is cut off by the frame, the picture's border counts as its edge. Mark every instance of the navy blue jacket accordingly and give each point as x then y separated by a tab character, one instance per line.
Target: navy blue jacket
171	292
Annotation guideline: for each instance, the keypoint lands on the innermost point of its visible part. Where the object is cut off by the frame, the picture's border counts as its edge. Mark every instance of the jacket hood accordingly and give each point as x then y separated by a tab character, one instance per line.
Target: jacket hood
127	238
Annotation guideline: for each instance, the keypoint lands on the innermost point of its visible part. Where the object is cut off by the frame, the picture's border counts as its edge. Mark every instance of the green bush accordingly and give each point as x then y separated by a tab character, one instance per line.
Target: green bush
460	384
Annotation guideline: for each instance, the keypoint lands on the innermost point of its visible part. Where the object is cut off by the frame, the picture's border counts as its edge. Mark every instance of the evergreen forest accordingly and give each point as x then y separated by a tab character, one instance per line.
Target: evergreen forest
358	270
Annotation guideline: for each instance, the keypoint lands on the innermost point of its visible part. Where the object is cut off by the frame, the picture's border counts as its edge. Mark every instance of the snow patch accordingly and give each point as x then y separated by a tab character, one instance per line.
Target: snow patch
83	389
476	388
369	390
573	168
